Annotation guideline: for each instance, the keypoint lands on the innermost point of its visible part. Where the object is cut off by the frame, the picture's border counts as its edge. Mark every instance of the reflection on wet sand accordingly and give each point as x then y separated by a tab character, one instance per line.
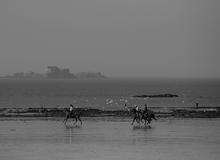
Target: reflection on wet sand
70	131
106	138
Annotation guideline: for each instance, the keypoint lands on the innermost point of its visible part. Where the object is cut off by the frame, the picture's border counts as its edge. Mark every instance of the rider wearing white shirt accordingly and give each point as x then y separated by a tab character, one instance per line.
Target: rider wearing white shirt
71	109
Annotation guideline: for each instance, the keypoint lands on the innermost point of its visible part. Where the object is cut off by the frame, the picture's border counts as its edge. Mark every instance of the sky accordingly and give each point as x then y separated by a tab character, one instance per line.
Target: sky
120	38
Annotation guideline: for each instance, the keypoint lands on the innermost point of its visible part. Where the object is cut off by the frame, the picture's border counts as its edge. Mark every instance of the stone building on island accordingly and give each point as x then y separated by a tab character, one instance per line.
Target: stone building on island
56	72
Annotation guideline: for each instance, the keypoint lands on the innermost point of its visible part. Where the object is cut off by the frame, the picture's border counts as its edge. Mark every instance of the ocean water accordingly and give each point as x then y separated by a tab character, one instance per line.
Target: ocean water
107	94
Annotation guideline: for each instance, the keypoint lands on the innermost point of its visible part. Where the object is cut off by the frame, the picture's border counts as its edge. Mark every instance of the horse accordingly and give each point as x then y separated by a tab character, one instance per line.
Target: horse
147	117
137	116
73	115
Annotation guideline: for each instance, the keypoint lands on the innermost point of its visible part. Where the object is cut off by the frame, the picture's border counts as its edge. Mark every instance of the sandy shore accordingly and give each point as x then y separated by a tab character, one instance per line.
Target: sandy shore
110	138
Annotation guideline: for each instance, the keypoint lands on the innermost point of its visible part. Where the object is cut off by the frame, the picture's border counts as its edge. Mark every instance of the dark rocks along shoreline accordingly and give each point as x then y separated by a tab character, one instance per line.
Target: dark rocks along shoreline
166	95
187	112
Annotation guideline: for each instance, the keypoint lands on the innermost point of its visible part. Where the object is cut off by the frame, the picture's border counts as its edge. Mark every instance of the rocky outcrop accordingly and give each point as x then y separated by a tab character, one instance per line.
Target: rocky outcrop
166	95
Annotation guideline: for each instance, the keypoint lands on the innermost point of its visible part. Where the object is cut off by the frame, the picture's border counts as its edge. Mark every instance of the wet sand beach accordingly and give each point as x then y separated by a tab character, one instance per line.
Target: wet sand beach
109	138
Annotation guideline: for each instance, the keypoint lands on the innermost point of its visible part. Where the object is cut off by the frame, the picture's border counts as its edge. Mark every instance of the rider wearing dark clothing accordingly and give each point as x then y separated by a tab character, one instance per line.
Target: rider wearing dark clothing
149	114
145	111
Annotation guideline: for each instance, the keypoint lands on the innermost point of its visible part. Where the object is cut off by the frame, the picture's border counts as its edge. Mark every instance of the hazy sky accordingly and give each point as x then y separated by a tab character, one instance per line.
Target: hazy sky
126	38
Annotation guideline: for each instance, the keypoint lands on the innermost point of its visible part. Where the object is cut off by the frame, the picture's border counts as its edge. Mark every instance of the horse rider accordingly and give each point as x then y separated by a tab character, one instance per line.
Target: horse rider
145	111
73	113
71	110
137	113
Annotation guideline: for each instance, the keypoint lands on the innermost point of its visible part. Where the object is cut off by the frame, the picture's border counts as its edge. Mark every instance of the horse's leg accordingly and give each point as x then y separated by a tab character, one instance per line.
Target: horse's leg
145	124
133	120
65	120
75	119
80	120
136	120
149	121
142	118
139	120
69	118
154	117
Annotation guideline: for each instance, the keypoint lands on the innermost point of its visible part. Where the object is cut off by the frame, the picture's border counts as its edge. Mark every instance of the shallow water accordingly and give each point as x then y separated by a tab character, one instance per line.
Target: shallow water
110	138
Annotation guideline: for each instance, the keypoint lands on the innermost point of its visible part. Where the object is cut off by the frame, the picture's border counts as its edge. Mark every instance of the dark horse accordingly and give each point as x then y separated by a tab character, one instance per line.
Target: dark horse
75	114
147	117
139	116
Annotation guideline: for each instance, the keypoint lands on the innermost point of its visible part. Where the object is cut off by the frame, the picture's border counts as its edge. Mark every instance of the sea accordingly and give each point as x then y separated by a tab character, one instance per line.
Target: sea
108	138
108	94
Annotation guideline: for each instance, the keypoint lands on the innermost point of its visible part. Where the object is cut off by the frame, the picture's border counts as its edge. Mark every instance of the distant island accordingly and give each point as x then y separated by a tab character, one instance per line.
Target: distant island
54	72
